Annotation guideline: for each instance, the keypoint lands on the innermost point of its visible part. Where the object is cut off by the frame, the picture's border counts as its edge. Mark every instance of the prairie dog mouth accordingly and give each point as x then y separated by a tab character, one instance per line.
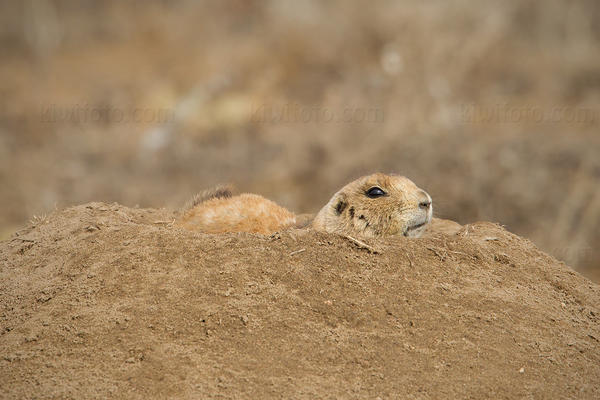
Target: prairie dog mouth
415	230
417	226
414	227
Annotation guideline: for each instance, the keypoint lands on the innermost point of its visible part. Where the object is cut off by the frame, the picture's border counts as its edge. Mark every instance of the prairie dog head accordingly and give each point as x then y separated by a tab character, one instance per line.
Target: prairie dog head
377	205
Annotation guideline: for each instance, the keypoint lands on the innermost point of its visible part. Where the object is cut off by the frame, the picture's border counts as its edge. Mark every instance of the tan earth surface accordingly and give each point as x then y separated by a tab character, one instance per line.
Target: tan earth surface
493	108
105	301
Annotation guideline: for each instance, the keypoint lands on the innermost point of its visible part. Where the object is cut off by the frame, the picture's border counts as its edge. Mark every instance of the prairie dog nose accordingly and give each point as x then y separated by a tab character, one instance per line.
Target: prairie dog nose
424	200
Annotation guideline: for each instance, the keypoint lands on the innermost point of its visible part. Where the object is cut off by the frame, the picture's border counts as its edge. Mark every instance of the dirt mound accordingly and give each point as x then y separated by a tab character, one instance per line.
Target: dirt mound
493	108
102	300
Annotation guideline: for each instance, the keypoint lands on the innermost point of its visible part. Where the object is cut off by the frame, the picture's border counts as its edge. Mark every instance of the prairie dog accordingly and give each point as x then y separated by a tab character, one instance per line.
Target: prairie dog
372	206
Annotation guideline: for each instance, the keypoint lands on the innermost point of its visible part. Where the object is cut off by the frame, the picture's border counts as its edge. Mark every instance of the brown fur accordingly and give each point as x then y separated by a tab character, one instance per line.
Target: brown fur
350	211
218	192
243	213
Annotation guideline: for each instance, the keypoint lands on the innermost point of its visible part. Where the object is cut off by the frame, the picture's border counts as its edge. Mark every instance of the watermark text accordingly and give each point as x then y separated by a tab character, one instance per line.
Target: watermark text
86	114
504	113
295	113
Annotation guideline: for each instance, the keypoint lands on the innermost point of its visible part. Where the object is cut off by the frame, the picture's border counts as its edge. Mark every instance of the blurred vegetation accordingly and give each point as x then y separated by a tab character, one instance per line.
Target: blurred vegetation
493	107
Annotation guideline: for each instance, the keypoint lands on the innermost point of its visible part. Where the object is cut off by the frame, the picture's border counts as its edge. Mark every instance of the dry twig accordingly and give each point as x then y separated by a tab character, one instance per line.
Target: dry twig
293	253
362	245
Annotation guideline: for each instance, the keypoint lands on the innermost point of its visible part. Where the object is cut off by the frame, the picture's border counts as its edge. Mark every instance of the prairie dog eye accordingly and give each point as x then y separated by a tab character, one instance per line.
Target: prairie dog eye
375	192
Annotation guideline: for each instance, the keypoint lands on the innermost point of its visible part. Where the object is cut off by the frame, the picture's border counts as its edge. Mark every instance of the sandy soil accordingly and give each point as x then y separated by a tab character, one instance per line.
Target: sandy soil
447	93
101	301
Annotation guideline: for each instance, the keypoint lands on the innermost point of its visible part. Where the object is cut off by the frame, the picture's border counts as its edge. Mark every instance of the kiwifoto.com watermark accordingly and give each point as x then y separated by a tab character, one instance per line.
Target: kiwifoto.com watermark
295	113
504	113
85	114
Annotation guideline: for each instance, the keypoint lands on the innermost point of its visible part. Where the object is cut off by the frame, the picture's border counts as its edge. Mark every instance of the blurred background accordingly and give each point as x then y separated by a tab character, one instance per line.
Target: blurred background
493	107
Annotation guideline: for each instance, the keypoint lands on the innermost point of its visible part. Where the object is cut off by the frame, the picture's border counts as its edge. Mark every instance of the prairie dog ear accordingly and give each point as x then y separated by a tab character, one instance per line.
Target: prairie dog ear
340	203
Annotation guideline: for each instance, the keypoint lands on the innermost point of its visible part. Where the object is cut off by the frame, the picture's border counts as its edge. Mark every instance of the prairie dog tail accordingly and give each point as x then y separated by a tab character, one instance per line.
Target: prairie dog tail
217	192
